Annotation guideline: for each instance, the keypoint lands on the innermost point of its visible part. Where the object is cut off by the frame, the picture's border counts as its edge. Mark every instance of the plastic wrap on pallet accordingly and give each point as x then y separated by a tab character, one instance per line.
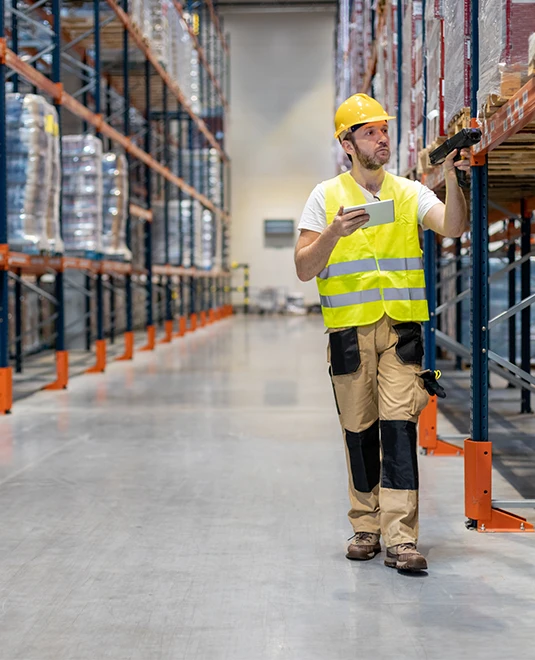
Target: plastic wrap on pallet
504	47
157	31
158	233
137	242
406	102
29	172
189	207
114	205
82	194
186	61
53	232
456	44
435	68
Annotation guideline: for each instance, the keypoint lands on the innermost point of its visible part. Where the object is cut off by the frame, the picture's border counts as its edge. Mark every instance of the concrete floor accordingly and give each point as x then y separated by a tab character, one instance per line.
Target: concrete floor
191	506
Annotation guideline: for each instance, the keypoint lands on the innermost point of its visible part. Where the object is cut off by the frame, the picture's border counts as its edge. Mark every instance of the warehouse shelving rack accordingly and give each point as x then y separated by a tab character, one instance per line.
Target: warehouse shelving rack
100	71
494	199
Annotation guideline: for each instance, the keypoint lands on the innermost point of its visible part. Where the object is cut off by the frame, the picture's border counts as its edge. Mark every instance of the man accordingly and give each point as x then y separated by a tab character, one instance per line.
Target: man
372	290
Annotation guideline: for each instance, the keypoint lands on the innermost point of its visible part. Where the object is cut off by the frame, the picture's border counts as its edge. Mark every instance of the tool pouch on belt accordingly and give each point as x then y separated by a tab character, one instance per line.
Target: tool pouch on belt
431	385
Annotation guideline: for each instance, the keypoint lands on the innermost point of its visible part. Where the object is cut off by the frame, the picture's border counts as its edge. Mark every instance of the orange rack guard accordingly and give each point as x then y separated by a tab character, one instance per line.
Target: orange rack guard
151	338
62	372
100	366
478	493
182	326
427	433
168	333
6	390
128	347
193	323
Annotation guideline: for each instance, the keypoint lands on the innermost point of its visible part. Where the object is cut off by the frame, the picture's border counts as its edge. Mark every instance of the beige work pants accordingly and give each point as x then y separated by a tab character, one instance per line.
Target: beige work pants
379	396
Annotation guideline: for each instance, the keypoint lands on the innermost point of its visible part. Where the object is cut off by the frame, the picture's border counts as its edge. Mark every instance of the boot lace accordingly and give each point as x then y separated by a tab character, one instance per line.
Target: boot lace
363	537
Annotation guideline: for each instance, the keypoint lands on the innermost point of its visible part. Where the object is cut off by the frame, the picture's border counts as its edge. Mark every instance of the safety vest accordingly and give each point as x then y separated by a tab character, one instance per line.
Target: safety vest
378	270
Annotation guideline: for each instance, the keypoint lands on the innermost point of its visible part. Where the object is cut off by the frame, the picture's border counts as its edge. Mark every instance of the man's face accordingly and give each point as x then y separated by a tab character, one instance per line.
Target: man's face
371	145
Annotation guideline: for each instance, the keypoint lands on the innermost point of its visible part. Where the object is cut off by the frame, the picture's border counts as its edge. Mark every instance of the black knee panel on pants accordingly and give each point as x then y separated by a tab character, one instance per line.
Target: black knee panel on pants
364	458
400	460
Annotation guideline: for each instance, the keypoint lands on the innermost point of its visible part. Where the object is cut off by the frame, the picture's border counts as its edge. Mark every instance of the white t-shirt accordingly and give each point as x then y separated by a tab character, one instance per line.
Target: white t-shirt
314	218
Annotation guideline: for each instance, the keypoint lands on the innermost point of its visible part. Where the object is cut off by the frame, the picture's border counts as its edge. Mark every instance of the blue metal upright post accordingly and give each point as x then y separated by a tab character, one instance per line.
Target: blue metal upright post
6	387
129	333
479	313
525	275
459	305
430	280
62	357
151	330
511	256
400	76
166	192
193	280
180	137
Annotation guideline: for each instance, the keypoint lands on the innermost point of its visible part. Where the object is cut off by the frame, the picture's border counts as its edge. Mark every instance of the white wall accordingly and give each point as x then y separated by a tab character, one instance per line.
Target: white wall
279	131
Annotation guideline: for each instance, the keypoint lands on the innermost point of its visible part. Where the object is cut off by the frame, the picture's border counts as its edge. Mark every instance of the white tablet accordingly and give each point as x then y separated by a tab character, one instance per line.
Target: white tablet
381	213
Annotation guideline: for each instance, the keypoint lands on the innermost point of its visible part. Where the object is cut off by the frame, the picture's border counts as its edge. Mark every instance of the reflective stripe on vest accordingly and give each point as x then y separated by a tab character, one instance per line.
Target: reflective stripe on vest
371	295
369	265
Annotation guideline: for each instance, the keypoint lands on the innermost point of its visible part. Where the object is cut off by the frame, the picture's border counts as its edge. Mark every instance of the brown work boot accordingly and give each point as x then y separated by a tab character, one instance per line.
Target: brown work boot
363	546
405	557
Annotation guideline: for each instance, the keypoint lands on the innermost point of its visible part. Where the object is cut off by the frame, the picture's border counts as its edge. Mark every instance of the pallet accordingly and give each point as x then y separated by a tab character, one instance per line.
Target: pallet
461	120
424	164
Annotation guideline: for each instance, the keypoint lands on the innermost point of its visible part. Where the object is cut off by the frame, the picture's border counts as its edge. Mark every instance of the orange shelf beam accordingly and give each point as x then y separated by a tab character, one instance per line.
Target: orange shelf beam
509	120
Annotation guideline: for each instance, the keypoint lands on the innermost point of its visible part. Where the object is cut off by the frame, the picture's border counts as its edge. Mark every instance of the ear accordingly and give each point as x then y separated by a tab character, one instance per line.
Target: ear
348	147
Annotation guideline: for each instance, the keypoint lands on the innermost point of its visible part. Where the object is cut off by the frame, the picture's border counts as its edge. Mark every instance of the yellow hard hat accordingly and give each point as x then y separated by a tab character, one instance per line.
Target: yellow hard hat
358	109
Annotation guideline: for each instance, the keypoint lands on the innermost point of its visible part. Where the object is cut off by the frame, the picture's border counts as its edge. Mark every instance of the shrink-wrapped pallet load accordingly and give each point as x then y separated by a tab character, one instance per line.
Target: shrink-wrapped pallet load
82	194
29	171
114	205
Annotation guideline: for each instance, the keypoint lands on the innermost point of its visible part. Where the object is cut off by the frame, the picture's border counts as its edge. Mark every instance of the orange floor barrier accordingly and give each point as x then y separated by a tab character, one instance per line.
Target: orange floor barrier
128	346
428	438
62	372
100	365
193	323
478	493
151	339
168	325
6	390
182	326
203	319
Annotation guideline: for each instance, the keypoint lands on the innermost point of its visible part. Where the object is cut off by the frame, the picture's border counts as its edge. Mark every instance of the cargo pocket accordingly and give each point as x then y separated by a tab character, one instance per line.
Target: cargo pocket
344	352
410	347
420	397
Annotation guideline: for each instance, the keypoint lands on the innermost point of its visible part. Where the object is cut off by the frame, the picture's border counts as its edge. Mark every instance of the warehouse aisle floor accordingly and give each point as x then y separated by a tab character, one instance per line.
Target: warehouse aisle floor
191	506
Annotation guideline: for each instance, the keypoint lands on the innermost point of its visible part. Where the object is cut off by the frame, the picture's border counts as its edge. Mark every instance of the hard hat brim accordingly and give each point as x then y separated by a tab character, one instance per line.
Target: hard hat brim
373	120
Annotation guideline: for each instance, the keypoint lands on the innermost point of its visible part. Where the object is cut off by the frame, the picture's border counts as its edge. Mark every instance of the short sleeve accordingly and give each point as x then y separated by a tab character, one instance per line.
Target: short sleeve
426	200
314	217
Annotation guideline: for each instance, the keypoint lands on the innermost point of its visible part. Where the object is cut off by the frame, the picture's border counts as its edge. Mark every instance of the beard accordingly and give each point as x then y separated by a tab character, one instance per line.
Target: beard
374	162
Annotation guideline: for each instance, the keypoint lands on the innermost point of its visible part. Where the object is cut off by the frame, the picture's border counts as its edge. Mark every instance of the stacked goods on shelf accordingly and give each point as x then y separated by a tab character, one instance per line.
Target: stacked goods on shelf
114	205
82	194
29	141
53	233
503	50
456	63
137	242
531	56
435	119
386	79
140	15
187	67
158	233
156	31
412	99
188	208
